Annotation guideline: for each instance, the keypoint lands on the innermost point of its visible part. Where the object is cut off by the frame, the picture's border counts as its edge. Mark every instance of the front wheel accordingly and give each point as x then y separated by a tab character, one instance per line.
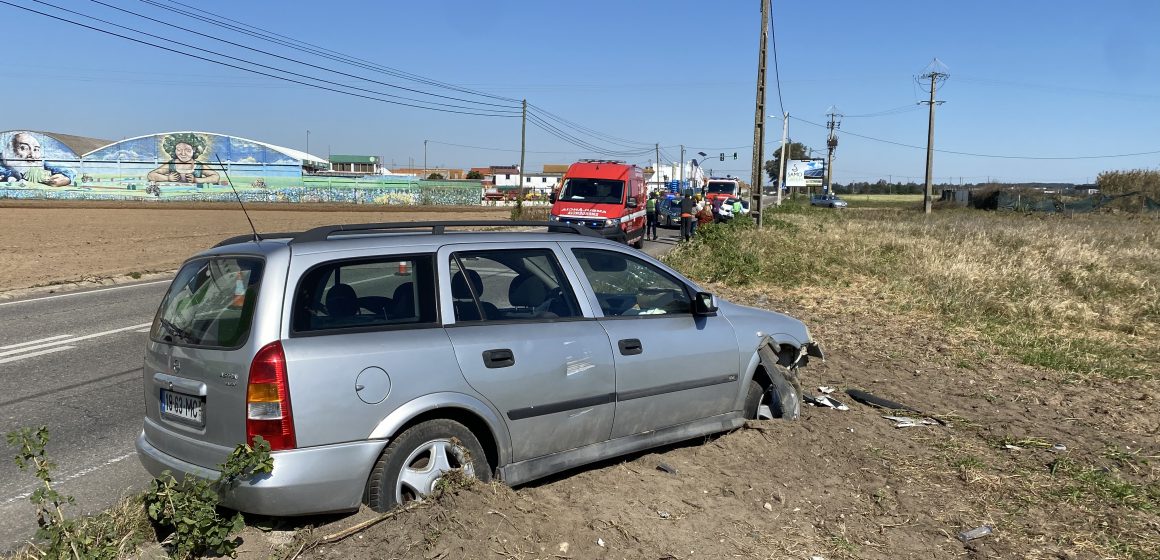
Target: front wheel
412	465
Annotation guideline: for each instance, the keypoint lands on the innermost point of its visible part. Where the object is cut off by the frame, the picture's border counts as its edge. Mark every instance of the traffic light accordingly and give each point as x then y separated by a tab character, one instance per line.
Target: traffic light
722	156
734	155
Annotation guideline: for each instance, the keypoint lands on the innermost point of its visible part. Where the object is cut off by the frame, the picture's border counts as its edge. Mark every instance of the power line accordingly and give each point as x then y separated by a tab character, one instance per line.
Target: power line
776	74
504	149
196	12
888	112
983	155
565	122
242	68
286	58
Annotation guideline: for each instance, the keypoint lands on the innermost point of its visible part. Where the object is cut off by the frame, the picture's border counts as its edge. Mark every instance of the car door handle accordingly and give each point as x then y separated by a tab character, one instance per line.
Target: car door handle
501	357
630	346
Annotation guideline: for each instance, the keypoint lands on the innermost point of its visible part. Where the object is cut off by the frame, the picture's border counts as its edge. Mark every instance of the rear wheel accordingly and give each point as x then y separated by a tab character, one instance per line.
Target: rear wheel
412	465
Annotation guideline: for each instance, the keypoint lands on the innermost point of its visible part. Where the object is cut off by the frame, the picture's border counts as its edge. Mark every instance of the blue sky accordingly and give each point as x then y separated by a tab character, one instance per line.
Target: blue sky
1043	78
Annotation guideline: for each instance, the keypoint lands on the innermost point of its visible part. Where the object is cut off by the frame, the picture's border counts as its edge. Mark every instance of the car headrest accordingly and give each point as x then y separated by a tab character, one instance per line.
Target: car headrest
527	291
459	288
341	301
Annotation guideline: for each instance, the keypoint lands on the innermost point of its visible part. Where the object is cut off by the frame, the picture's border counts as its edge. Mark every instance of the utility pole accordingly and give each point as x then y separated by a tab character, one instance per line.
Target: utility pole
936	77
657	167
523	146
682	183
308	141
424	159
831	145
781	160
759	112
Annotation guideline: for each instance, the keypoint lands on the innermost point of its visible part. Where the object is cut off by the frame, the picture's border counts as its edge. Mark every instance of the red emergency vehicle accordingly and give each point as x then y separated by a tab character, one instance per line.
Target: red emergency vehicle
607	196
722	189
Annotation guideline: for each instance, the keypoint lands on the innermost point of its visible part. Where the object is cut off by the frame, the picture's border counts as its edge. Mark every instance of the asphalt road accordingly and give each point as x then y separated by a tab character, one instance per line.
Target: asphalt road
72	362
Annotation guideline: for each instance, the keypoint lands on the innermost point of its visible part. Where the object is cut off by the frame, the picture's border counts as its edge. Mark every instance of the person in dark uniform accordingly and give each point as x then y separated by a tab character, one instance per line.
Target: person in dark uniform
688	211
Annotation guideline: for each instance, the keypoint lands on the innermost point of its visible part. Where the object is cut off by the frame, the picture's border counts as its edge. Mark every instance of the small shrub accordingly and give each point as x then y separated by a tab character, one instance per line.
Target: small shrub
188	510
108	535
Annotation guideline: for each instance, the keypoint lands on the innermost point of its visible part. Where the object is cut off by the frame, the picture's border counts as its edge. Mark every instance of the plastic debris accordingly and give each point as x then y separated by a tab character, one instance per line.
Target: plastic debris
1058	448
600	542
664	514
907	422
825	401
825	390
975	533
666	468
1010	447
768	506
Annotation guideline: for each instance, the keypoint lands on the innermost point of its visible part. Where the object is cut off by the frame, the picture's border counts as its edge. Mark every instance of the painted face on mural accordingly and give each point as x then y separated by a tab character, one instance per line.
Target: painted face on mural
26	148
183	152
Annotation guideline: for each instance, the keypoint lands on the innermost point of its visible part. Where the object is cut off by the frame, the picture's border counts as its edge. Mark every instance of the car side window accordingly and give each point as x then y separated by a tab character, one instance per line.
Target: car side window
366	293
627	286
510	285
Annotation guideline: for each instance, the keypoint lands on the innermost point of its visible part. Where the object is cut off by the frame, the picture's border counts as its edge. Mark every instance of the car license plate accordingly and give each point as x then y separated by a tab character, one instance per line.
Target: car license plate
185	408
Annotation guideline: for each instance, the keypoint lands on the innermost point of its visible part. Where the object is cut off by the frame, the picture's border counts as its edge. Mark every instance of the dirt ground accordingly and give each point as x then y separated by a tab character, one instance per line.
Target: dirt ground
44	243
834	484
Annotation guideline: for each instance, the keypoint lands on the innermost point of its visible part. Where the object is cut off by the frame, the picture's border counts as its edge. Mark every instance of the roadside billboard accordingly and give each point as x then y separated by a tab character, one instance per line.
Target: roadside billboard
805	172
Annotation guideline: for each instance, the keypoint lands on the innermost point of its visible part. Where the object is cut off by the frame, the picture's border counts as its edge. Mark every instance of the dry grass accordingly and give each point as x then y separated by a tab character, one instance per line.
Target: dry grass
1078	294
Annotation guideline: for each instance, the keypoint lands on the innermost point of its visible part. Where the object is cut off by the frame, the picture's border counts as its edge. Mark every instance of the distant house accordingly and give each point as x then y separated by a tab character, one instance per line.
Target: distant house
505	176
423	173
356	165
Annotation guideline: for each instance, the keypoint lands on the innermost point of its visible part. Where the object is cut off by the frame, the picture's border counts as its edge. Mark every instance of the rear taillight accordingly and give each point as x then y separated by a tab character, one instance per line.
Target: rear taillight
268	399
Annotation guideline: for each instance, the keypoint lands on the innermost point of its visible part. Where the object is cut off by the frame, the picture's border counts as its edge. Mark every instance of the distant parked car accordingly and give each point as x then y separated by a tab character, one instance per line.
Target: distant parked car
669	212
829	201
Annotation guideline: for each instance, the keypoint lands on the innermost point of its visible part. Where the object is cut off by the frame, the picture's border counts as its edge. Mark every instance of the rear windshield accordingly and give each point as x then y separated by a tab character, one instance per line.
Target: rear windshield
210	303
599	191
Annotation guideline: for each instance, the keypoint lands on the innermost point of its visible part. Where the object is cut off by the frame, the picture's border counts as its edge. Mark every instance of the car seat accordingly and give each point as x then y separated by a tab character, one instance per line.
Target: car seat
530	292
403	302
465	309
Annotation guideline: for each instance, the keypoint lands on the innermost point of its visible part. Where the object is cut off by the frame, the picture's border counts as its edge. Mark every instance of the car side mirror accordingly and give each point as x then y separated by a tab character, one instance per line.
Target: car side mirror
552	198
704	304
632	202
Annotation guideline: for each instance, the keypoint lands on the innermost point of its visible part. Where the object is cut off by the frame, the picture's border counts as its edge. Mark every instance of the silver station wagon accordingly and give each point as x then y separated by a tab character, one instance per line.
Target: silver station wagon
376	357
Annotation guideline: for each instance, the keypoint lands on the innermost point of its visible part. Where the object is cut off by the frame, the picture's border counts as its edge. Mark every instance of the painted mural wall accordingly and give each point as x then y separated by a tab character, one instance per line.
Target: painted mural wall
196	166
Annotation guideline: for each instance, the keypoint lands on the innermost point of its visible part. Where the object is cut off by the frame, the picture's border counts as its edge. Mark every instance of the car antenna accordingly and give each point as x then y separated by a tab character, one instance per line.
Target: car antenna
257	237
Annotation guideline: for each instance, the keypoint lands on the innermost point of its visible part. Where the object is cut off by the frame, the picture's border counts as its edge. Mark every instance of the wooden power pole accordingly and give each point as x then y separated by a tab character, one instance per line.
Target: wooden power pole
936	77
523	147
759	115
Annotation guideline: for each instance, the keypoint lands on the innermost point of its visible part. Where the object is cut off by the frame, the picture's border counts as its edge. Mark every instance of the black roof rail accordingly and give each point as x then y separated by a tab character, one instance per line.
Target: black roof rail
322	233
250	237
602	161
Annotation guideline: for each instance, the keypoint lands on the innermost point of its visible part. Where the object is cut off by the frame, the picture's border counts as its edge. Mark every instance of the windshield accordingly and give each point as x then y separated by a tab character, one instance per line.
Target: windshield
718	187
599	191
210	303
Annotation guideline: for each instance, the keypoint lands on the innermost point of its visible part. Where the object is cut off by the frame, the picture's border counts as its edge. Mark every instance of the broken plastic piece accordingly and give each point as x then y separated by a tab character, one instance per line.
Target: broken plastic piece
826	401
907	422
825	390
975	533
1059	448
666	468
873	400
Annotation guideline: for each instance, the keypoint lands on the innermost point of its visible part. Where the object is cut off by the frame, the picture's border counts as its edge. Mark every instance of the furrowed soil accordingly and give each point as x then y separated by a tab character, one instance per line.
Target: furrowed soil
833	484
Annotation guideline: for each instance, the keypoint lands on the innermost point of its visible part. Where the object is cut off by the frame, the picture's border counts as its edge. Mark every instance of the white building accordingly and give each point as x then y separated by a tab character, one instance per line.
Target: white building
542	183
506	176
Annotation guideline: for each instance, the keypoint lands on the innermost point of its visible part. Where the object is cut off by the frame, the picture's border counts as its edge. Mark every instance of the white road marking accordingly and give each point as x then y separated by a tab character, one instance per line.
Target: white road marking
76	475
34	354
72	340
84	293
31	342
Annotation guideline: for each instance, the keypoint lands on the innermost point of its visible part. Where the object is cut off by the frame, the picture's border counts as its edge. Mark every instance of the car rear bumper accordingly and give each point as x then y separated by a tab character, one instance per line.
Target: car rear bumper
323	479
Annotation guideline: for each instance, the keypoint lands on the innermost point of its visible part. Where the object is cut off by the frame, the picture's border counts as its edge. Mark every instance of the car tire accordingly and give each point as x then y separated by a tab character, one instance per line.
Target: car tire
404	472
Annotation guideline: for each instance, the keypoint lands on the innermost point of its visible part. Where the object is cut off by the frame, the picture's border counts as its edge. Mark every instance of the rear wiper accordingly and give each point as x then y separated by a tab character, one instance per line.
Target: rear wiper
176	330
